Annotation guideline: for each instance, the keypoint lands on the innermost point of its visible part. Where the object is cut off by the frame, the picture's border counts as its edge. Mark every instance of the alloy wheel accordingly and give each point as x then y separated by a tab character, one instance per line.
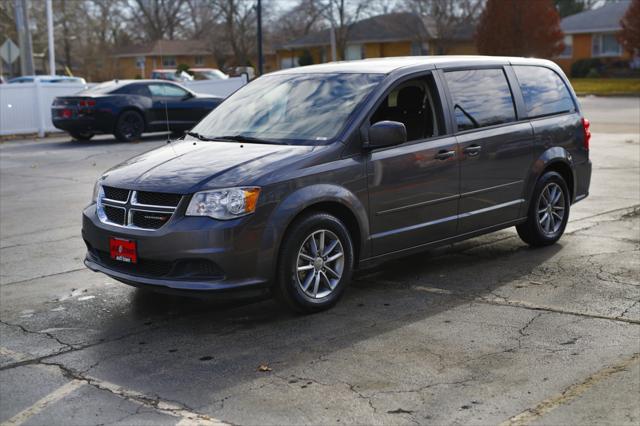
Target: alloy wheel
551	209
320	264
131	125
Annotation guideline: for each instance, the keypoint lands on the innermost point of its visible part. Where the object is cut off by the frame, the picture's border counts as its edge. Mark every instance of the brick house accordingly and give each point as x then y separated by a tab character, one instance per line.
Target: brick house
137	61
593	34
393	34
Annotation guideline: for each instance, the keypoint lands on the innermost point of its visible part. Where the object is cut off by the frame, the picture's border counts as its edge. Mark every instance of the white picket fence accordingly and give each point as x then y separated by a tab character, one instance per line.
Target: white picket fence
26	107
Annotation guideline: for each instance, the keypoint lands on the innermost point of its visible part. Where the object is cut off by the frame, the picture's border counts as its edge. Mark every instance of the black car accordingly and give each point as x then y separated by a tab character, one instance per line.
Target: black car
128	108
305	174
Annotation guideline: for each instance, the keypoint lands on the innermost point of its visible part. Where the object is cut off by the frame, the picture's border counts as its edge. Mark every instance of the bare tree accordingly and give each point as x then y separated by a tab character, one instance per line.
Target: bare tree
158	19
341	14
446	16
300	20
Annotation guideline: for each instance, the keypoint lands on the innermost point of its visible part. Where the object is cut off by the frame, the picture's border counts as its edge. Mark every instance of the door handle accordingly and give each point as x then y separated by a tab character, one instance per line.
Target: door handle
444	154
473	150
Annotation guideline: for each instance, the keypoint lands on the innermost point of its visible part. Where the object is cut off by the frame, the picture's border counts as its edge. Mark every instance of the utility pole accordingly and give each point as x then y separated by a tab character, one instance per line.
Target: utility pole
24	37
334	55
52	49
260	59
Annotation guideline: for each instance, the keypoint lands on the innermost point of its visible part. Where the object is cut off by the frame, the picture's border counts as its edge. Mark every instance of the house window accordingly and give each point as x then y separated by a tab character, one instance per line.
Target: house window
199	60
606	45
353	52
568	47
291	62
168	61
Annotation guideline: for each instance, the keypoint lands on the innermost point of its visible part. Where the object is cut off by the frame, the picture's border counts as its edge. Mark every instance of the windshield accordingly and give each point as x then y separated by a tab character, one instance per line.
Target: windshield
100	89
298	108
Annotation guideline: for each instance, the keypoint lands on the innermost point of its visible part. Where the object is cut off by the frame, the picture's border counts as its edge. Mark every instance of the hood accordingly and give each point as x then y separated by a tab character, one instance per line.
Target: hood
207	96
185	167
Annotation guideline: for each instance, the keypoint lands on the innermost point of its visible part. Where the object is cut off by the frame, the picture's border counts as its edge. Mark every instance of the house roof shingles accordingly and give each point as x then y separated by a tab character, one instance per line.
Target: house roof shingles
164	48
602	19
389	27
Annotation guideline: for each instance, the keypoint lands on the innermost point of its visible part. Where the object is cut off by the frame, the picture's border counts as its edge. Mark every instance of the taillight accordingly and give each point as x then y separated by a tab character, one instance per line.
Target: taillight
587	133
87	103
66	113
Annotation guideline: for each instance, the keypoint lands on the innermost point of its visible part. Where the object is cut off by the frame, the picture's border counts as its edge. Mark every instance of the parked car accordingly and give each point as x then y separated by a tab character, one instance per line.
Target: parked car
47	79
128	108
306	174
208	74
171	75
238	71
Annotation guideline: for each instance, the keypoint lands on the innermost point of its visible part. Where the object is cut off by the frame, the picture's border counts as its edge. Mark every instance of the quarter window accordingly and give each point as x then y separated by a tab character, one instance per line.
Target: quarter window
543	91
481	98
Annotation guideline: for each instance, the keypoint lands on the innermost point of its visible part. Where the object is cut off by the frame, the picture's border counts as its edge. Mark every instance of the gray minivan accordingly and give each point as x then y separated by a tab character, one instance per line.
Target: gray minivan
305	174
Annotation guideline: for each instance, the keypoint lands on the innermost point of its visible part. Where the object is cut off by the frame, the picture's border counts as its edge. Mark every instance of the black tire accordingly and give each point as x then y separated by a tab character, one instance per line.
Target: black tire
129	126
536	231
290	281
81	136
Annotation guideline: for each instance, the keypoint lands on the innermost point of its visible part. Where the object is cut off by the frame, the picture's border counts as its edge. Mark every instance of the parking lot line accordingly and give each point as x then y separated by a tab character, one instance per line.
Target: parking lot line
187	418
569	394
43	403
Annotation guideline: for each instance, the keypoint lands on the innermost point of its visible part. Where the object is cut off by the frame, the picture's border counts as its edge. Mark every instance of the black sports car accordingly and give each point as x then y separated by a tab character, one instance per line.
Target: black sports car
128	108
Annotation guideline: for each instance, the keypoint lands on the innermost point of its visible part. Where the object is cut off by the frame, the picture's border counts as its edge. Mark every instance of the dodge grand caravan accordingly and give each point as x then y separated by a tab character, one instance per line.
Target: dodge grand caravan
305	174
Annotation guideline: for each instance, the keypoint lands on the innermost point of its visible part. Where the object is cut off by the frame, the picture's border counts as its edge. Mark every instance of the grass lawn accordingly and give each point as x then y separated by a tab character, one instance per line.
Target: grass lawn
606	86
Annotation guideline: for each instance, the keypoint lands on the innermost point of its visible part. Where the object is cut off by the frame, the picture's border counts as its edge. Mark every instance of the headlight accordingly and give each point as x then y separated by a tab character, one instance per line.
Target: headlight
97	189
224	203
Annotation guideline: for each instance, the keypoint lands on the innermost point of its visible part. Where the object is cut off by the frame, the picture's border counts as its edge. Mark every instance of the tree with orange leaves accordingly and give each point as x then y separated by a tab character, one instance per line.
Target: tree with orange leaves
520	28
630	34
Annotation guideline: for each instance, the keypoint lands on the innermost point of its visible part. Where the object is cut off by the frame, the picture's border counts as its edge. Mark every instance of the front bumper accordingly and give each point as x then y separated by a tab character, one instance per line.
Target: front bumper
188	254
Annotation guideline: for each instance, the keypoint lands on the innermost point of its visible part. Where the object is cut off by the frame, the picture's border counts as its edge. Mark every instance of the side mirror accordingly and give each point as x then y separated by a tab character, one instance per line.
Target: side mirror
387	133
187	96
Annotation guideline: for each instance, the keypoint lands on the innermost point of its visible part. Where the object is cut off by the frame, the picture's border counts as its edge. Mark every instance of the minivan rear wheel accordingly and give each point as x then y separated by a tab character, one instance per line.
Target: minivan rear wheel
315	264
548	211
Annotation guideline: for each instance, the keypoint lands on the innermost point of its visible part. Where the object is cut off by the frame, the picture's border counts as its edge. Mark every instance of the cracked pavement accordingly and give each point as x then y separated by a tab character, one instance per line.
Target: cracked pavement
486	331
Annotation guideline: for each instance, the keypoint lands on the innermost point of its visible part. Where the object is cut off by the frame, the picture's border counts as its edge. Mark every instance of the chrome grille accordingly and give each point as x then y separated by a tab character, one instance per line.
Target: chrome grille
136	209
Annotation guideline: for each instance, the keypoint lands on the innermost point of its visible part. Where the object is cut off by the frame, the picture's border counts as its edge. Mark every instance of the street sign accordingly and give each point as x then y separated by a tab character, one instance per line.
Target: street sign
9	51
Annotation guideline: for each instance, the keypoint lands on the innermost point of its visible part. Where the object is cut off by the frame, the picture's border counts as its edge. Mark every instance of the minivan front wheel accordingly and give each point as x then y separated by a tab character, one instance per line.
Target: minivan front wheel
548	211
316	263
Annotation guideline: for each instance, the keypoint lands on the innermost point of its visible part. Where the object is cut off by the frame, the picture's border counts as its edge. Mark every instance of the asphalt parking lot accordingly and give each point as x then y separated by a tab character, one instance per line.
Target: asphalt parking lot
486	331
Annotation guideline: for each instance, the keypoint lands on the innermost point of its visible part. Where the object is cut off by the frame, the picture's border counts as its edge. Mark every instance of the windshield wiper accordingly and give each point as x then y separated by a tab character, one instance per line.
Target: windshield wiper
201	137
243	138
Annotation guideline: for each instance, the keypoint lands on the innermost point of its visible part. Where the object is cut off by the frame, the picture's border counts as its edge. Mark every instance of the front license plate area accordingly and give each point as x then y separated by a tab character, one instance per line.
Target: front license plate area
123	250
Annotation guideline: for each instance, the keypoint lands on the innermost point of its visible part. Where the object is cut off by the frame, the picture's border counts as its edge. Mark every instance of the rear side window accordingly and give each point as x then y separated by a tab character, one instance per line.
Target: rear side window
544	91
481	98
133	89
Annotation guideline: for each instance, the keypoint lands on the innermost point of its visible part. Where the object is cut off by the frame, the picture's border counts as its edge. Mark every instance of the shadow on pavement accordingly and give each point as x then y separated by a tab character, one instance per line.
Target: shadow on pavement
205	347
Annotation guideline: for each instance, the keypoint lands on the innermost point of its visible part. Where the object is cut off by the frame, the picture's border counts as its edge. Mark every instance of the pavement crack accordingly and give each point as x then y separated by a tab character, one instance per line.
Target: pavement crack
172	408
40	242
43	276
523	330
626	311
568	394
40	333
